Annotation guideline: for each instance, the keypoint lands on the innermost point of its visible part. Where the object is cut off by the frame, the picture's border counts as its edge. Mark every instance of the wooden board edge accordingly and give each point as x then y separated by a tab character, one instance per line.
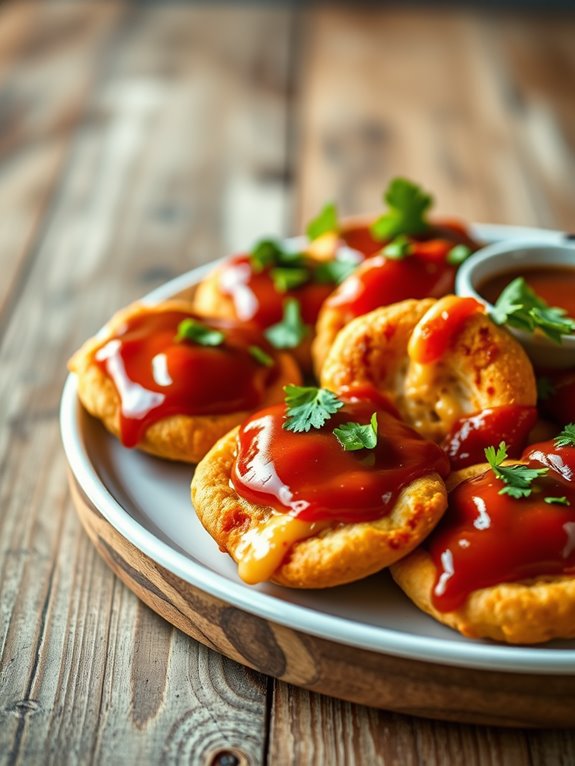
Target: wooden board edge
361	676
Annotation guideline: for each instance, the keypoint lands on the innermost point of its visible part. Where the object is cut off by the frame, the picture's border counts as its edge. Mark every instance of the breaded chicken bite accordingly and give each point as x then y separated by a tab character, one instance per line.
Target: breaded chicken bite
168	383
438	362
499	566
307	510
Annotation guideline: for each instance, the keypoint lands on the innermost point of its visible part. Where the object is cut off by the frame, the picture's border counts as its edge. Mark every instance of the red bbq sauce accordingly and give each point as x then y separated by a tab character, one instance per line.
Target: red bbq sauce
439	326
359	237
465	445
555	284
156	376
256	299
486	538
310	475
561	460
425	273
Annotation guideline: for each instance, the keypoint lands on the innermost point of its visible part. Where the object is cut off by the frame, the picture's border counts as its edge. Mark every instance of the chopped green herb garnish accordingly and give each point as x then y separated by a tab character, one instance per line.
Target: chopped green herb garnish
398	249
519	306
408	204
323	223
285	279
192	330
545	388
557	500
567	436
290	332
333	272
309	407
260	356
458	254
354	436
268	253
517	478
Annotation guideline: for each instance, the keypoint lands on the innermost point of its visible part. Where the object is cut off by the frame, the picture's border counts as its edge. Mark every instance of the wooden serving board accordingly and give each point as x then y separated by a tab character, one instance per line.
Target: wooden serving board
357	675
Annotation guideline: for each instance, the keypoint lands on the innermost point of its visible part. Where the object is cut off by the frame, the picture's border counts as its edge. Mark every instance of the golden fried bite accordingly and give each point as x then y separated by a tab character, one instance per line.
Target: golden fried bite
269	545
173	434
529	611
482	366
240	289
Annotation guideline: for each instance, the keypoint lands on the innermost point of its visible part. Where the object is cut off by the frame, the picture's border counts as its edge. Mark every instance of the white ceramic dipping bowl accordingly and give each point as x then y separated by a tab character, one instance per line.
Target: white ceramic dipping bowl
513	257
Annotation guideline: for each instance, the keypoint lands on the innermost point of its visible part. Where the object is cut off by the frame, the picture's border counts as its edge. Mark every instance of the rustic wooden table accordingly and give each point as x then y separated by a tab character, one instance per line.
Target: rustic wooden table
137	142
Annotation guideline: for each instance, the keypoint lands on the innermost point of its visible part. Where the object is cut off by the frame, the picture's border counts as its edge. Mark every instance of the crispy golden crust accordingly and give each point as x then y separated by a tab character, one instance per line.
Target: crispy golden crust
210	301
330	321
527	612
483	367
180	437
334	556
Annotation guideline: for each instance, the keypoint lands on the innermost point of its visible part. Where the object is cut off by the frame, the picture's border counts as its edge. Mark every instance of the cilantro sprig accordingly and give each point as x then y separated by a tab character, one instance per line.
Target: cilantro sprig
196	332
567	436
458	254
517	478
309	407
290	332
407	208
288	278
557	500
333	272
261	356
519	306
398	249
269	253
355	436
325	222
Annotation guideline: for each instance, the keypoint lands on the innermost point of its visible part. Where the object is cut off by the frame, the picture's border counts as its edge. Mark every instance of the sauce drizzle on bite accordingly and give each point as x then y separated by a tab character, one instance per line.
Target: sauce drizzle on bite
470	435
555	284
424	273
157	377
486	538
310	476
437	329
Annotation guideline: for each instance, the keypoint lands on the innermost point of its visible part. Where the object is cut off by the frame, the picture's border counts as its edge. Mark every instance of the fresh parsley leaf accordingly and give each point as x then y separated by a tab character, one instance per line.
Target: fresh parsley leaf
309	407
268	253
408	204
567	436
192	330
333	272
517	478
557	500
290	332
398	249
323	223
519	306
545	388
458	254
260	356
285	278
354	436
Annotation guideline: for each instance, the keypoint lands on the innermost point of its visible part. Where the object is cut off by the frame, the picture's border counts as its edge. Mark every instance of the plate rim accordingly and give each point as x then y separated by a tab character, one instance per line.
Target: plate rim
443	651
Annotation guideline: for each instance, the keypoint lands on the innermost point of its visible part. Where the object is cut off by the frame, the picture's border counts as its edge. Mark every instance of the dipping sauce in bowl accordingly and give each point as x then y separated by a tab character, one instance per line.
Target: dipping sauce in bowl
548	269
555	284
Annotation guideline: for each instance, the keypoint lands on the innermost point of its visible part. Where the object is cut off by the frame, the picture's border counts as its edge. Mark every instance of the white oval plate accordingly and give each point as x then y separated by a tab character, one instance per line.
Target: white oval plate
147	501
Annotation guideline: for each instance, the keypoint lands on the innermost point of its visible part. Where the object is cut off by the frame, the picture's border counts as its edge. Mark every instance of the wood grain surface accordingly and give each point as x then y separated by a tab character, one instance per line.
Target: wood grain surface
139	140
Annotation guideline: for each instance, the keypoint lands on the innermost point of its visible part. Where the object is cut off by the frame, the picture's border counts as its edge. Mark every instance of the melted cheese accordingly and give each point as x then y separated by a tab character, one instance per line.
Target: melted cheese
263	548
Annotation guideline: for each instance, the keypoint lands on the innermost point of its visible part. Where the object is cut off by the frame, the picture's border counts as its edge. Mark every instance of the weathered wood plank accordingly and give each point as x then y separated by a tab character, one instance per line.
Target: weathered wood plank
472	106
41	100
179	157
